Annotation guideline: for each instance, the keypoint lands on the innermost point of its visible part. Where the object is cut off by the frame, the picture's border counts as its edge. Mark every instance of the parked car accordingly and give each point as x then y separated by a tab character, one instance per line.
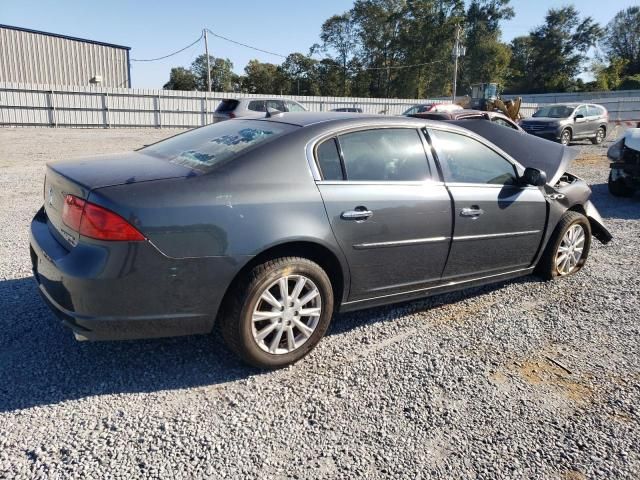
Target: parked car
465	114
432	107
565	122
269	226
253	107
624	177
348	110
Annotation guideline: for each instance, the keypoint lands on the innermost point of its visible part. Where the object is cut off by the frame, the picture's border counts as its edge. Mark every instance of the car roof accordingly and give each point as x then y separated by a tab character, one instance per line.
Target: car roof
304	119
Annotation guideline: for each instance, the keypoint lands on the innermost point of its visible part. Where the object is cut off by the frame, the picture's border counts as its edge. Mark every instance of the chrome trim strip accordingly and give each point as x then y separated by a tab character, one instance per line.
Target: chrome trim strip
495	235
441	285
400	243
423	183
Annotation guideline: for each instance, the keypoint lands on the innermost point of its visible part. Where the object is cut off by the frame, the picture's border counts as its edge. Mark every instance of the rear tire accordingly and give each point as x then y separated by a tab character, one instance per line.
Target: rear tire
600	136
267	328
552	264
618	188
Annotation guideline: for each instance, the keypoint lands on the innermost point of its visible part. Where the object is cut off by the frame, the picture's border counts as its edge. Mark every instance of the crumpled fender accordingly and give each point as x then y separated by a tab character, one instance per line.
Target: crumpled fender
598	228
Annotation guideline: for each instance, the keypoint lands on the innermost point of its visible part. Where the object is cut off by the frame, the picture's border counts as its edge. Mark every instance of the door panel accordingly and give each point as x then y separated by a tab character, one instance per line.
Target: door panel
403	243
504	236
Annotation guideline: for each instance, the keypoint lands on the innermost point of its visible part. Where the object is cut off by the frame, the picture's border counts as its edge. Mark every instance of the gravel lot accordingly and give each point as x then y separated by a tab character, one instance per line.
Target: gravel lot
521	380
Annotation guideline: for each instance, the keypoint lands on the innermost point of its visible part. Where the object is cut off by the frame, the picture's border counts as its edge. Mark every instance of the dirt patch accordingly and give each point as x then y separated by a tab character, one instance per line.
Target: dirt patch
573	475
543	372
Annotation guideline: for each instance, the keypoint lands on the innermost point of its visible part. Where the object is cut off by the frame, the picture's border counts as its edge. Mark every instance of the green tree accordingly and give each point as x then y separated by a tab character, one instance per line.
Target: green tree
487	58
181	78
520	65
622	39
223	79
339	33
301	72
559	49
263	78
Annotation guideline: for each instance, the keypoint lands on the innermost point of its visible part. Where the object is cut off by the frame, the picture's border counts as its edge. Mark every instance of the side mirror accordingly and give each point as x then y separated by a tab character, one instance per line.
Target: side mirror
579	116
533	176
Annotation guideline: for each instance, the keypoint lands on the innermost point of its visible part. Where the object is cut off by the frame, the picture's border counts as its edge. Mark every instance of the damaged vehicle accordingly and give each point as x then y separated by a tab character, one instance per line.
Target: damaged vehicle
267	227
624	177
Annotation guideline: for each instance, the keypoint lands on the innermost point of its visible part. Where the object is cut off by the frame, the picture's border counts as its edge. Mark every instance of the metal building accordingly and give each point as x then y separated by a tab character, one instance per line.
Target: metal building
34	57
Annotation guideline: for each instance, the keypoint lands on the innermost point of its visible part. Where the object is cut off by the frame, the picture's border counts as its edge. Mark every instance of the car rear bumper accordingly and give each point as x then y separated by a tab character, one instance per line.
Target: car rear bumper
126	290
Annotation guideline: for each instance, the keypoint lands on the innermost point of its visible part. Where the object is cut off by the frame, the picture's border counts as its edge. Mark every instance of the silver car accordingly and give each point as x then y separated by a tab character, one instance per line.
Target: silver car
565	122
253	107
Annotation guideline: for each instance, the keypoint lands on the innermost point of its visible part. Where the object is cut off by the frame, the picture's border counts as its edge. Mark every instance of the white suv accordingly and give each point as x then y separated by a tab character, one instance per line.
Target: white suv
253	107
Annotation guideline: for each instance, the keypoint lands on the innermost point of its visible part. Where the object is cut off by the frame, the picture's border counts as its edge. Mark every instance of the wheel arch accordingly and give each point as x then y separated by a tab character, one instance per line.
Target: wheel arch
324	256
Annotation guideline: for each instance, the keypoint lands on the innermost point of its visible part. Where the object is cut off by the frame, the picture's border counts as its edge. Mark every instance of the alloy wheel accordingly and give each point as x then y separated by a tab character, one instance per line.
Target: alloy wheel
599	136
570	250
286	314
565	137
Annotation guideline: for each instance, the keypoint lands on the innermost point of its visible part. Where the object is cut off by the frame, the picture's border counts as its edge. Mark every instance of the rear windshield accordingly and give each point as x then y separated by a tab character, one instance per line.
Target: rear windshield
554	111
227	106
205	148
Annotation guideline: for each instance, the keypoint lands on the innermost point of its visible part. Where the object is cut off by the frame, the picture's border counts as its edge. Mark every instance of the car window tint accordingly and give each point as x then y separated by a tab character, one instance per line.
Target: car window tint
227	105
582	110
257	106
393	154
208	147
294	107
502	121
465	160
277	104
593	111
329	160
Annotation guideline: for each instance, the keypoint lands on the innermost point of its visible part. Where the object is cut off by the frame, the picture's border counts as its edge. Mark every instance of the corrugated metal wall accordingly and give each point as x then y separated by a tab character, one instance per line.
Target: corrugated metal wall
97	107
34	58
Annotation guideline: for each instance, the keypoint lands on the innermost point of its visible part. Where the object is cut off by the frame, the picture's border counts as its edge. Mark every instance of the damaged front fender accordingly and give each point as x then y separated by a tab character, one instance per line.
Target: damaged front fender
598	228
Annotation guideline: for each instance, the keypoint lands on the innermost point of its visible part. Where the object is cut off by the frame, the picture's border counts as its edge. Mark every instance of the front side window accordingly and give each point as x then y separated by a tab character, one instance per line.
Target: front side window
386	154
582	110
465	160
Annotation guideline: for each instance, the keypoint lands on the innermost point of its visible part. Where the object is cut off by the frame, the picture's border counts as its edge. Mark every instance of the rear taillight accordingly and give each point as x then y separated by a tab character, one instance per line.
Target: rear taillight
96	222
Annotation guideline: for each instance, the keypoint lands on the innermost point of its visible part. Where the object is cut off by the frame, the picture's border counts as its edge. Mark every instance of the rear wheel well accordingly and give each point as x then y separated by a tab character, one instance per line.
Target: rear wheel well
312	251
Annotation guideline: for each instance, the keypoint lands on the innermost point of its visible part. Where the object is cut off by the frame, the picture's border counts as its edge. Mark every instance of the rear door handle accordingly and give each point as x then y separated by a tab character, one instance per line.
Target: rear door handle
359	213
471	212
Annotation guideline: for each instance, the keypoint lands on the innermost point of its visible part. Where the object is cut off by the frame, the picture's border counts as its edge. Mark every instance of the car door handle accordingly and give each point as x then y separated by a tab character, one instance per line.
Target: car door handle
471	212
359	213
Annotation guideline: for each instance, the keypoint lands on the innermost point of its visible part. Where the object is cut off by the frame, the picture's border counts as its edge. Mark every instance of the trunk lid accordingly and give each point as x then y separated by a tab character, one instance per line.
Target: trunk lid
80	177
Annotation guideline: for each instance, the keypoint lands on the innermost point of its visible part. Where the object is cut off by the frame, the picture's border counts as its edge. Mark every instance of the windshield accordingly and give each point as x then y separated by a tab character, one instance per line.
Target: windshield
555	111
205	148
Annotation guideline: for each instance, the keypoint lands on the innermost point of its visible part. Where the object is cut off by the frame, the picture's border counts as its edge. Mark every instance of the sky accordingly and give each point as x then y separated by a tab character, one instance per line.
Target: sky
154	29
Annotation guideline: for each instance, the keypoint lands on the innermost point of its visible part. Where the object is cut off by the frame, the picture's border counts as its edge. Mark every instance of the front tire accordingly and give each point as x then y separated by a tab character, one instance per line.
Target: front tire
565	137
278	312
567	249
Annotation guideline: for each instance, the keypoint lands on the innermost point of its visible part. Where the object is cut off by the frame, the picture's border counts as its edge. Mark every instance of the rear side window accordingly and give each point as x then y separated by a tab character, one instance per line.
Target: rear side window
329	160
277	104
226	106
257	106
206	148
386	154
465	160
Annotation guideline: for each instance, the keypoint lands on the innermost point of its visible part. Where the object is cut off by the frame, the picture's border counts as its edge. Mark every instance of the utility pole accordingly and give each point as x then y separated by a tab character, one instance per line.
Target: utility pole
456	54
206	52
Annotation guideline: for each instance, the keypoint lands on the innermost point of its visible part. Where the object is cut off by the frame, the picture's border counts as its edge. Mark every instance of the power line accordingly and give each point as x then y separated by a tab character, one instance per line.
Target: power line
245	45
167	56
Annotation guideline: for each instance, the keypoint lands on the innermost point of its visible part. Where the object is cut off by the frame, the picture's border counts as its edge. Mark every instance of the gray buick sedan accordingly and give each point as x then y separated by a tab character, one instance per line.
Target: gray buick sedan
267	227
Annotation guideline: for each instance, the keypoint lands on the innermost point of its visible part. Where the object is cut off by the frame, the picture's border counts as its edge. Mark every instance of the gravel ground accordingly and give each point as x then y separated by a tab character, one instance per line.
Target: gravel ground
527	379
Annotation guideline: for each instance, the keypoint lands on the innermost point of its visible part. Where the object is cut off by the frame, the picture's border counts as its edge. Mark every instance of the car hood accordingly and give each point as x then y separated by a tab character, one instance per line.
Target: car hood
118	169
542	120
530	151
